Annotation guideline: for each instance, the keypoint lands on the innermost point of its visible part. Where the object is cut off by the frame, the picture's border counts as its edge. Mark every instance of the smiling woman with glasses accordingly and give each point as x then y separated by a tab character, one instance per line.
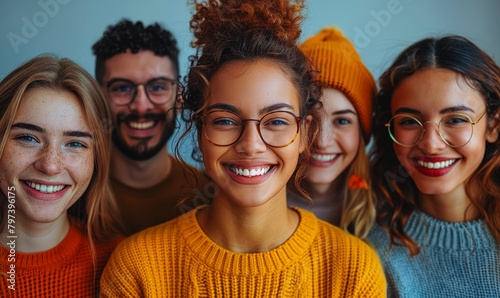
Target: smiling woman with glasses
436	163
455	129
250	99
277	129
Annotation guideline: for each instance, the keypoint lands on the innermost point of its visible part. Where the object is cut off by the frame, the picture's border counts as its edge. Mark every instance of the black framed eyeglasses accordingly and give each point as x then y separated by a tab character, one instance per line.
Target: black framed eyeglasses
122	92
276	129
455	129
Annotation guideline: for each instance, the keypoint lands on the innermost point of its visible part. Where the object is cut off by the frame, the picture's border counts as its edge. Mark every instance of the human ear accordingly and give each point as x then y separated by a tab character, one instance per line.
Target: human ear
493	128
304	141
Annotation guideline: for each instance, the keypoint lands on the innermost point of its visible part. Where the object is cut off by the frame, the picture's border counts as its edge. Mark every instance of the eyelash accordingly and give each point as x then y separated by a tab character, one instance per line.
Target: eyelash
24	138
30	139
79	144
337	121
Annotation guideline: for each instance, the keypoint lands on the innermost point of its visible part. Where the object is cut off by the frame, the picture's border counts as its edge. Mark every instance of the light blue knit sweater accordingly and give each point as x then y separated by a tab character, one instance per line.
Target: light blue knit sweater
455	260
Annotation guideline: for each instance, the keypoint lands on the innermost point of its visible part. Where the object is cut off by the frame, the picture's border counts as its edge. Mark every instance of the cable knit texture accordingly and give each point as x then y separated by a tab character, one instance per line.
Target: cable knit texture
456	259
63	271
177	259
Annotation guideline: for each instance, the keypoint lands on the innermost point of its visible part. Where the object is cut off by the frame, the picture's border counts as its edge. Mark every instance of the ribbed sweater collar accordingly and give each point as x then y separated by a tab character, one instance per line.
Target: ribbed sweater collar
73	240
228	262
458	236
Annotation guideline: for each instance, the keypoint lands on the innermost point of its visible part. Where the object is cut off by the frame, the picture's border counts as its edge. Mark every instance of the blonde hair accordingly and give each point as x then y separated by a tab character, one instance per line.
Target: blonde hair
358	207
97	209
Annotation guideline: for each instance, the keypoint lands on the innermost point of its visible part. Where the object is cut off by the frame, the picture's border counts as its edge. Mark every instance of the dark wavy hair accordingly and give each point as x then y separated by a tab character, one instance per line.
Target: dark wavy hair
234	30
398	193
134	36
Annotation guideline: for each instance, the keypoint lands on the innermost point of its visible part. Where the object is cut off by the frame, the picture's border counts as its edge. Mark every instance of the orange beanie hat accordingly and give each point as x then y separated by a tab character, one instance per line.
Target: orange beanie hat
340	67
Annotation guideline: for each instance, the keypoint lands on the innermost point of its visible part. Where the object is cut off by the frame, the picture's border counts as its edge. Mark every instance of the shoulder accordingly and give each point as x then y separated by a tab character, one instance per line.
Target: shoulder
352	257
350	246
378	238
335	239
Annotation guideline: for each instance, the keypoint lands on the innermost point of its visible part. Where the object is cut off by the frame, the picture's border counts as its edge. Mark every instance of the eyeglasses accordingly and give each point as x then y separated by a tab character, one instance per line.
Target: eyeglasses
123	92
455	129
277	129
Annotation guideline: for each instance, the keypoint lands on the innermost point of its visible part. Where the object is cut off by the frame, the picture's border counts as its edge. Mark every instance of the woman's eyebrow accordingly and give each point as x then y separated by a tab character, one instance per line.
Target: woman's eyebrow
343	112
28	126
408	111
33	127
223	106
78	134
456	109
275	107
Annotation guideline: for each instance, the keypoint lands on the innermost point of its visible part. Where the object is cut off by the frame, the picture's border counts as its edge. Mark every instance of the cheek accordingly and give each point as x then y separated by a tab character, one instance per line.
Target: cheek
82	169
210	154
117	110
12	163
403	155
349	142
474	151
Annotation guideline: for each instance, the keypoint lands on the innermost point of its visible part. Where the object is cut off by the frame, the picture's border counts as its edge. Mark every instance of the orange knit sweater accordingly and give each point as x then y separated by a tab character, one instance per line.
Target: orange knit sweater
176	259
63	271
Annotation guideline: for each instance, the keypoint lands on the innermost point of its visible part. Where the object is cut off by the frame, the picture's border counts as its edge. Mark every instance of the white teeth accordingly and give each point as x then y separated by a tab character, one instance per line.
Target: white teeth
436	165
141	125
45	188
249	173
323	157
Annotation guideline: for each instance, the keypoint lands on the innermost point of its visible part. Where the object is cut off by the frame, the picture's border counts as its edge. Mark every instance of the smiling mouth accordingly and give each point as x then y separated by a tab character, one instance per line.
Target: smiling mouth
436	165
248	172
45	188
323	157
140	125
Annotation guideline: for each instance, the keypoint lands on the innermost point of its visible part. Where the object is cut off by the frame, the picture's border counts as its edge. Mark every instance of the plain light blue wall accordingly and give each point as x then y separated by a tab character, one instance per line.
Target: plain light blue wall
379	29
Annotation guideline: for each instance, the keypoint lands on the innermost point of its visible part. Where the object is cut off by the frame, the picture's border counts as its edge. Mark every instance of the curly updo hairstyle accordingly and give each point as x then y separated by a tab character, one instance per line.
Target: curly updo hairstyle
237	30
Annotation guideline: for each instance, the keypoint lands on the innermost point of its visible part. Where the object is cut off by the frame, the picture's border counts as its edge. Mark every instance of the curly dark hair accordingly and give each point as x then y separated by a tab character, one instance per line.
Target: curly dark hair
237	30
399	193
127	35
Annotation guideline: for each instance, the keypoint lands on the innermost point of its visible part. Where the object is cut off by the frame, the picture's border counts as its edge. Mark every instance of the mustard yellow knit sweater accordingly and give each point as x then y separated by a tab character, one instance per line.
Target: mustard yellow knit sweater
176	259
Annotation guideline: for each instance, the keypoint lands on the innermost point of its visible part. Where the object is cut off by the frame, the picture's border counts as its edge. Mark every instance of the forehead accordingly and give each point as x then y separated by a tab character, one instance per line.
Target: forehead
334	99
253	85
138	67
51	109
435	89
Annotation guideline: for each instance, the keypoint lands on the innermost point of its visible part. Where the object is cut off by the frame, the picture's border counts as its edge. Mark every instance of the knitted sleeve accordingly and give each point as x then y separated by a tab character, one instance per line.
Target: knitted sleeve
371	278
120	278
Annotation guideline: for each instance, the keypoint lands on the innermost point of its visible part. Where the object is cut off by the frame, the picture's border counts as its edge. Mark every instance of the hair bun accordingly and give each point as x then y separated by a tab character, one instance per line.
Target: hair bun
220	21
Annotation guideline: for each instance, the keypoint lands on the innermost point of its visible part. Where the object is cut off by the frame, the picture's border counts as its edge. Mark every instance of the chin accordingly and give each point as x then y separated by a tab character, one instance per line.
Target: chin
435	189
320	177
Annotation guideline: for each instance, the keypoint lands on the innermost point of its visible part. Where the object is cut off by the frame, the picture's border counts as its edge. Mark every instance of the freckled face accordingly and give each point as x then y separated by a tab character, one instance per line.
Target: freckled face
49	155
429	95
339	140
251	89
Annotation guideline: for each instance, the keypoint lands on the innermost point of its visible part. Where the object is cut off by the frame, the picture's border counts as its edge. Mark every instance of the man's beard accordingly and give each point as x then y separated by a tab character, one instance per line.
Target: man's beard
141	151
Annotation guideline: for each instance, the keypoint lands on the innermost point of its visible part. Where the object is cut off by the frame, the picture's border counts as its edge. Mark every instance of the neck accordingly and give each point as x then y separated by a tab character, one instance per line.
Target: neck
33	237
141	174
455	206
249	229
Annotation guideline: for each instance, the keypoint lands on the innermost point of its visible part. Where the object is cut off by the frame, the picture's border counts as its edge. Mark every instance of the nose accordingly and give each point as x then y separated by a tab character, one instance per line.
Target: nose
141	104
50	160
431	140
326	135
250	142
